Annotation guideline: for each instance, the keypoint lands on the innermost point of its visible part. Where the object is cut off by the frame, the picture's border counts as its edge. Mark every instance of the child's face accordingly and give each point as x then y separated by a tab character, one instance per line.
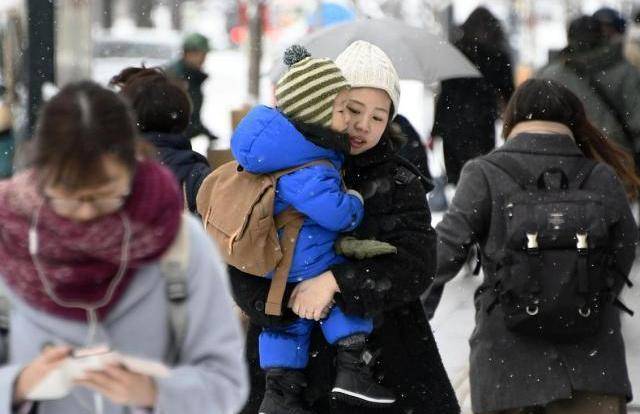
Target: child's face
340	117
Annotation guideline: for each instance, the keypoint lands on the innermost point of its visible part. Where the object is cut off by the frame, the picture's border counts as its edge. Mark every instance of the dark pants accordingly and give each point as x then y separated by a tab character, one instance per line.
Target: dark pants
462	145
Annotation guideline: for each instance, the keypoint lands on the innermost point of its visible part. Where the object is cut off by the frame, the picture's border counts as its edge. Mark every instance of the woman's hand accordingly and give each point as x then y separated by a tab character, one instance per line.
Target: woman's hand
313	298
122	386
50	358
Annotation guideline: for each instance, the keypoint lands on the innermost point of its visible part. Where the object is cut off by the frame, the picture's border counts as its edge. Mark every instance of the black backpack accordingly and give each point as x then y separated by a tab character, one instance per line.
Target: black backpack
556	270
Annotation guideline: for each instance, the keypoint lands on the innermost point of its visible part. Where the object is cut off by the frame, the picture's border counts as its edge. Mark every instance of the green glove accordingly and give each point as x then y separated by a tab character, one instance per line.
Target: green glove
351	247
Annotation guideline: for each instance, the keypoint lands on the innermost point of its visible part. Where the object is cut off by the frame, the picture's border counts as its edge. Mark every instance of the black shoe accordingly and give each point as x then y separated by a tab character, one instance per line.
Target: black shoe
354	380
283	393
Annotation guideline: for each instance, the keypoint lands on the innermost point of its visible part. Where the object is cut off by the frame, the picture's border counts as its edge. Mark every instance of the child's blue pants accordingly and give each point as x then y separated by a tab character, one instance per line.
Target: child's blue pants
288	347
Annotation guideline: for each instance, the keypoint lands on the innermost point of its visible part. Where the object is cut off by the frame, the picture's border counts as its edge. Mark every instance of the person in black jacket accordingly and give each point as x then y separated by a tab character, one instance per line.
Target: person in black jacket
546	130
163	110
386	288
467	108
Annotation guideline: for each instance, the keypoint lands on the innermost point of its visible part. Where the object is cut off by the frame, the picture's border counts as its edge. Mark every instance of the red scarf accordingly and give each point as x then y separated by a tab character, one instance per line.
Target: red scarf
80	259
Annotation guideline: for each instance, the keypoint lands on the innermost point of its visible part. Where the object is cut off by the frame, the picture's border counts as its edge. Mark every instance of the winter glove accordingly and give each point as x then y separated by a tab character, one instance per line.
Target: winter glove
362	249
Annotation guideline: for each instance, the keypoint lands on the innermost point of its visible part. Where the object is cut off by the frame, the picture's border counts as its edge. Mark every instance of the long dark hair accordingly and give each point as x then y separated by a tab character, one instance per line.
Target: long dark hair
79	126
547	100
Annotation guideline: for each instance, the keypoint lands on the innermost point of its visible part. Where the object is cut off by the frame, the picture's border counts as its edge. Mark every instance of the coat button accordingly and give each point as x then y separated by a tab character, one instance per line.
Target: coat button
259	305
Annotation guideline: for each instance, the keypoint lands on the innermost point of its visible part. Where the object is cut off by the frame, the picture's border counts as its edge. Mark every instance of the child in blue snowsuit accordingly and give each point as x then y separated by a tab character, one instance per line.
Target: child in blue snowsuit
312	93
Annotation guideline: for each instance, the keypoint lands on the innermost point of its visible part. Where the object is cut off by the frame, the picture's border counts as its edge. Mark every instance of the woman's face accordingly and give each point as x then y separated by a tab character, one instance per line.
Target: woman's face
92	202
370	110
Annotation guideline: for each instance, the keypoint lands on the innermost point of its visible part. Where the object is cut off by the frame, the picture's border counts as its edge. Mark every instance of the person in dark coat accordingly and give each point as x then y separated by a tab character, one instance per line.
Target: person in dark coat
385	288
598	73
545	126
7	141
467	108
163	109
414	150
188	69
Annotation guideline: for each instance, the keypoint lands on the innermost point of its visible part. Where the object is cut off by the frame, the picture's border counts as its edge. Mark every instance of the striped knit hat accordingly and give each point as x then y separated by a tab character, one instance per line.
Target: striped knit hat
307	91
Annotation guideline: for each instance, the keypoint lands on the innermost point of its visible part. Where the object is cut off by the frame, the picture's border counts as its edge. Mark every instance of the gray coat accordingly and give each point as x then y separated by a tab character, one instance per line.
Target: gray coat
508	370
211	375
617	77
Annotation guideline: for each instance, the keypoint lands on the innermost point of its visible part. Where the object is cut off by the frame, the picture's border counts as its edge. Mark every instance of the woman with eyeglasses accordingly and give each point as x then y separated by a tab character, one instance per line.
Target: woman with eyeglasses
83	233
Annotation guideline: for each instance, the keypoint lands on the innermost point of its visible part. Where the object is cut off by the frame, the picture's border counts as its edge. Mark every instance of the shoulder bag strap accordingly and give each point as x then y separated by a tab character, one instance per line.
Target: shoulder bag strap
174	266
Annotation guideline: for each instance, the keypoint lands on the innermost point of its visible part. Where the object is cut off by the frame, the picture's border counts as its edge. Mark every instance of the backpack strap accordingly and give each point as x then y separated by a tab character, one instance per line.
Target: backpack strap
286	171
583	172
513	168
174	266
518	173
290	221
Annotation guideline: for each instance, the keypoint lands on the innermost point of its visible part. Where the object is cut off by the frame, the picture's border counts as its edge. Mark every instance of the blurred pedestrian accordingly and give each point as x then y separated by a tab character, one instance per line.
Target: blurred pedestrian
188	68
598	73
7	143
547	337
467	108
414	150
83	232
163	110
613	24
632	41
385	288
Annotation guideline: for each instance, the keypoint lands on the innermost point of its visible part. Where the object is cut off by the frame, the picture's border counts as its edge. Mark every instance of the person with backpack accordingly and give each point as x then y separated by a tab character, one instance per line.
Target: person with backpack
311	102
85	234
549	210
402	352
162	109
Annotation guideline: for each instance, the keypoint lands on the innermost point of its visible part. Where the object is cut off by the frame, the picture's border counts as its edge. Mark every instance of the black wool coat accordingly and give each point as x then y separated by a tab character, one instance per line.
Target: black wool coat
190	168
508	370
386	288
467	108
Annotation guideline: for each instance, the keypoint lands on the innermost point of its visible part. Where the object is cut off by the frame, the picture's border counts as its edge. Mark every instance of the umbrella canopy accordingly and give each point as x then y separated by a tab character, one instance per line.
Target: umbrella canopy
416	53
329	13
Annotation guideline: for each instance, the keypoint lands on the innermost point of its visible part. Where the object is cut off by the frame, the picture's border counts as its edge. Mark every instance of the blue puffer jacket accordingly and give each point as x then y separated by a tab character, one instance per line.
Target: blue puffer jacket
266	141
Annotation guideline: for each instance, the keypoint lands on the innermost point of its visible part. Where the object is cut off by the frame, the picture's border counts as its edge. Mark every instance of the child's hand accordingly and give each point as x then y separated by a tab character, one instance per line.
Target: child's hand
313	298
363	249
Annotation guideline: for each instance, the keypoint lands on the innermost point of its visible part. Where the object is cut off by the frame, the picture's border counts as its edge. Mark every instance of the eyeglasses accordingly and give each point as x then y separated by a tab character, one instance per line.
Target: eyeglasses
100	204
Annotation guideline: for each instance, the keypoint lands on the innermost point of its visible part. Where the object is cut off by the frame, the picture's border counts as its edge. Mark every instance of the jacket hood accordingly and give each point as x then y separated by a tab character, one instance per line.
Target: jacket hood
266	141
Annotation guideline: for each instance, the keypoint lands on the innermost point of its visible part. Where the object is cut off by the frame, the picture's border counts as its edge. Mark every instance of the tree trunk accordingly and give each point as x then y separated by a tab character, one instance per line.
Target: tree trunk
256	8
176	14
107	14
39	63
142	12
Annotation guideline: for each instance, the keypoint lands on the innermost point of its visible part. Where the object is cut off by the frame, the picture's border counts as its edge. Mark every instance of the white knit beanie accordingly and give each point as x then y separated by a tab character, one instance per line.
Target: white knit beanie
367	66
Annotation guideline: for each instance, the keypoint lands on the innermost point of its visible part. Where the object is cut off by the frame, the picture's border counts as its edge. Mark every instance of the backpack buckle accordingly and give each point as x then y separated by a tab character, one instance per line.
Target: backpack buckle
176	291
532	243
582	244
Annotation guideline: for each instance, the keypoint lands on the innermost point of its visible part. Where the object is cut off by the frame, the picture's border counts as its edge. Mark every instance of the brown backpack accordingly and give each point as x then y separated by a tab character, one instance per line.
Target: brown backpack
237	208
